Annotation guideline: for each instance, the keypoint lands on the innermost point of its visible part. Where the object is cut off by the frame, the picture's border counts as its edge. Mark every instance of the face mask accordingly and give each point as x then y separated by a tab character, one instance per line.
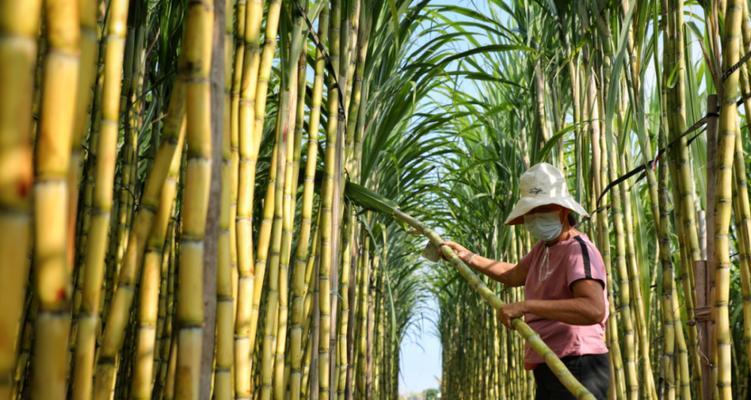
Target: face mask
544	226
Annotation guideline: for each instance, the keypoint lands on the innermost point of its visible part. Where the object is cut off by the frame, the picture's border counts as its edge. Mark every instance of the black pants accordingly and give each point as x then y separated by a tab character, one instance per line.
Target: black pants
592	370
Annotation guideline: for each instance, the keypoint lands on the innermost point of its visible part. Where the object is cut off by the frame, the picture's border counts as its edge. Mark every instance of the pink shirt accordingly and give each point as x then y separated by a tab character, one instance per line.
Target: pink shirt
567	262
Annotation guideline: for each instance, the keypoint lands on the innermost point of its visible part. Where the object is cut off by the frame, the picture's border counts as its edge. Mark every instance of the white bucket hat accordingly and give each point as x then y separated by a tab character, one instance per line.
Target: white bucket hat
541	185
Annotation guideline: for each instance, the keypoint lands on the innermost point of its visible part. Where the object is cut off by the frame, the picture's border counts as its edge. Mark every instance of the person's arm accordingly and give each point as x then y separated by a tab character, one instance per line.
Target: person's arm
587	307
509	274
506	273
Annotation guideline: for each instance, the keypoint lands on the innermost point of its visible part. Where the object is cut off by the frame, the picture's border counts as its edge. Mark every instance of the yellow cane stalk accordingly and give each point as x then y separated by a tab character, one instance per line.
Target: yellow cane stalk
288	127
141	385
299	128
269	334
19	22
682	369
352	40
130	271
728	128
225	308
87	76
682	176
166	306
344	309
741	201
309	323
624	287
353	143
281	236
743	226
327	212
52	159
362	319
356	123
195	200
249	27
668	314
233	124
169	392
259	116
299	288
132	82
634	277
264	240
102	198
599	174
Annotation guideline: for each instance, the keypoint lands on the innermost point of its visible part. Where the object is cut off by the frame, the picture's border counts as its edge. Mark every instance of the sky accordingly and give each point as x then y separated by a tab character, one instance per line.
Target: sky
421	354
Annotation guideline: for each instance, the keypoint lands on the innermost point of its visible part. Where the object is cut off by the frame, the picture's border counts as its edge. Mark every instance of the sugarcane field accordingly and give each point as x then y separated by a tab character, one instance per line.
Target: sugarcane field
375	199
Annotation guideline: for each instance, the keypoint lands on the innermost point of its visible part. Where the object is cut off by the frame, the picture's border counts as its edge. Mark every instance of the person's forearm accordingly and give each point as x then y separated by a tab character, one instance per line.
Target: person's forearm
496	270
576	311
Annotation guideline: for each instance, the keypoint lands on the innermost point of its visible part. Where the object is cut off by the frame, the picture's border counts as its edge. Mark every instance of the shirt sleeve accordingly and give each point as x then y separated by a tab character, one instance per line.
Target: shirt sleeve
585	262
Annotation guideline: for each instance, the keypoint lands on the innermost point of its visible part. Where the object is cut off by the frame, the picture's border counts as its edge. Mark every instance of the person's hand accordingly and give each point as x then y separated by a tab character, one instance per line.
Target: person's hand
507	312
459	250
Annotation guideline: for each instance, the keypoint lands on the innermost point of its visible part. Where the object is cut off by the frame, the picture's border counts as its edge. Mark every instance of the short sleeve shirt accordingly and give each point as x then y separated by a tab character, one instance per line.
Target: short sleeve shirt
552	271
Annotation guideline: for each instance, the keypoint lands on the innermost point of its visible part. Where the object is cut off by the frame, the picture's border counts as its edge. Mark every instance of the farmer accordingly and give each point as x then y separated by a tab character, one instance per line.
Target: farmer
564	284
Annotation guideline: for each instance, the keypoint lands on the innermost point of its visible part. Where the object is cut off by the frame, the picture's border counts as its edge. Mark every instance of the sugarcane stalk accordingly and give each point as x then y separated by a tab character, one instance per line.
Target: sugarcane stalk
87	78
130	271
190	312
272	307
357	29
52	162
18	57
668	315
234	137
681	173
634	276
133	119
326	268
624	291
600	224
299	287
249	17
102	198
169	392
165	314
19	22
309	387
86	83
362	321
226	260
282	225
741	199
259	116
293	132
141	386
344	309
296	160
728	128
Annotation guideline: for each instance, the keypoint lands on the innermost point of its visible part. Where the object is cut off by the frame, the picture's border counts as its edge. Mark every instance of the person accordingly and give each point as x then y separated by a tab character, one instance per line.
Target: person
564	284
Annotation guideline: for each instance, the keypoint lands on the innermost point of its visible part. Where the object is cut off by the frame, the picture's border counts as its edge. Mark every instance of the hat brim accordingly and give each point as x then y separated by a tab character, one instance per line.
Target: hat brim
527	204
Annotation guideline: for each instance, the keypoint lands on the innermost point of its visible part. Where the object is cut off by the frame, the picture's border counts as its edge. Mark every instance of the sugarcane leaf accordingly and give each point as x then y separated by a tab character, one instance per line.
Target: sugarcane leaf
553	141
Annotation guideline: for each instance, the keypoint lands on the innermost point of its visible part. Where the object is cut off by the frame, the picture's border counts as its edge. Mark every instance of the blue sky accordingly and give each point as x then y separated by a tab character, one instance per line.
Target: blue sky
421	354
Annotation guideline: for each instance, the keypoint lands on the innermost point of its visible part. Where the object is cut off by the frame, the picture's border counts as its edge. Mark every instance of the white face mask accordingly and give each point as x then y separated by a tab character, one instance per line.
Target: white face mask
544	226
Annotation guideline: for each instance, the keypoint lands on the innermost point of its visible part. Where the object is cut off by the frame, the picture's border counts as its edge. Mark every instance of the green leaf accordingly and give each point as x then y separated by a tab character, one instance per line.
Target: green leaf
553	141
